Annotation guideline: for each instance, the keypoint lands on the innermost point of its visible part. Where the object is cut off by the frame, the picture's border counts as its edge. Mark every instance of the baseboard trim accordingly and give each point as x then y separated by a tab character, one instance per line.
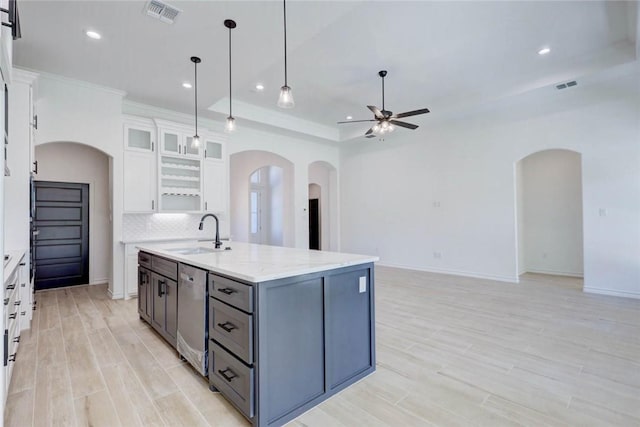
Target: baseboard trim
508	279
114	296
554	273
611	292
99	281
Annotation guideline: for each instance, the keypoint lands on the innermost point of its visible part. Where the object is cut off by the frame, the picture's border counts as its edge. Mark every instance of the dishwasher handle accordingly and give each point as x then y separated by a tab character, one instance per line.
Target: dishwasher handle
186	277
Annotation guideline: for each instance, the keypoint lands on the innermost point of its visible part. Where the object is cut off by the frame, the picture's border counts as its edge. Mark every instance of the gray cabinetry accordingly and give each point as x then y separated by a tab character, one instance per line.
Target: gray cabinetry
349	326
144	294
279	348
158	294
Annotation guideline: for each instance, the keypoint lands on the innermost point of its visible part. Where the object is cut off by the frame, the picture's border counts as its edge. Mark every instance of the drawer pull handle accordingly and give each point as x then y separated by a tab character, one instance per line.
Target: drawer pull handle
11	286
227	326
227	291
17	303
17	339
13	315
229	378
12	358
6	301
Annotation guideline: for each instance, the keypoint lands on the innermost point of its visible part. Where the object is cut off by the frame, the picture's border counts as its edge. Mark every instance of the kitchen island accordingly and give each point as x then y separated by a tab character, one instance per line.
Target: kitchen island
283	328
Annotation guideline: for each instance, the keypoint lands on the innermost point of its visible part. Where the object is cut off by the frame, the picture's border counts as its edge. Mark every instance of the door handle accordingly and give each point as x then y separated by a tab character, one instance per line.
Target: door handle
227	291
160	289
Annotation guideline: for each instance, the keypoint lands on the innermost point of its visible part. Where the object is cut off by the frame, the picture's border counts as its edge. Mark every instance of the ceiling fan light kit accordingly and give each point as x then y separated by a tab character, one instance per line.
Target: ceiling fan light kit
385	119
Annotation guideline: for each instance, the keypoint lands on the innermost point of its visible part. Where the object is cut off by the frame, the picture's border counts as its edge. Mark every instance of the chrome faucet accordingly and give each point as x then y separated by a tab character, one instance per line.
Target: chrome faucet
217	243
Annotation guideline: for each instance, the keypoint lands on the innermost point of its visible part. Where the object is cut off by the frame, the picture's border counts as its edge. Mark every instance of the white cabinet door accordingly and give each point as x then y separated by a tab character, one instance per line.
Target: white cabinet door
131	281
139	182
139	137
174	142
215	186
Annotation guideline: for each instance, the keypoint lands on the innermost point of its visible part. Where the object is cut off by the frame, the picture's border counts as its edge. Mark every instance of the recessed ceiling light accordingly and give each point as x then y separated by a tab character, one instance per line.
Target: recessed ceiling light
544	51
93	35
186	85
349	117
259	87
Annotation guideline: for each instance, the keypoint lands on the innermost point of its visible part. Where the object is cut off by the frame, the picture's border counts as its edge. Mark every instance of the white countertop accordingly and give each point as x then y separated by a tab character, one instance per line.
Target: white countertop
259	263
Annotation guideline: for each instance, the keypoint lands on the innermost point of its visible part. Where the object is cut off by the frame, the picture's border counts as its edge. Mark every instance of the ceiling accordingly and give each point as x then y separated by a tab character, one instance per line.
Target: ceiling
448	56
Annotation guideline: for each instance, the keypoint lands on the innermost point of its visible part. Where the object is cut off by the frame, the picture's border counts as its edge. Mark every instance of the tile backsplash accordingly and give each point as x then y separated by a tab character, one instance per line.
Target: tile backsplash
170	226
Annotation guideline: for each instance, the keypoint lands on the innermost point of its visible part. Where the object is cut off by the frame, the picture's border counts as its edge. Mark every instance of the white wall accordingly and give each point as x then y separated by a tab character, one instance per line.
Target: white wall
70	162
299	151
520	219
552	212
241	166
448	188
325	176
72	111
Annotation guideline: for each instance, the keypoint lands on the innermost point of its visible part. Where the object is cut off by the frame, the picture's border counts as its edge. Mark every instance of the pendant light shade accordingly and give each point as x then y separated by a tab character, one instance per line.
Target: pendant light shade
230	125
286	96
195	141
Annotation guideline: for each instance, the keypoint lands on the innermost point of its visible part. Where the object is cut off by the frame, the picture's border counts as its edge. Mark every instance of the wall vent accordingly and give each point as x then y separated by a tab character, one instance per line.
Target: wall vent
566	85
162	11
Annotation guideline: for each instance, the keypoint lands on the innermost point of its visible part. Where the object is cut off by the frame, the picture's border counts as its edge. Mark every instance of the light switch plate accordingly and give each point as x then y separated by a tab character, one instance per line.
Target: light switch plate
363	284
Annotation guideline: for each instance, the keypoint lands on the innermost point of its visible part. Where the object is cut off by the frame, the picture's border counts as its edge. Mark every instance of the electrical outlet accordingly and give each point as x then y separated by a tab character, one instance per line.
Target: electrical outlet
437	255
603	212
363	284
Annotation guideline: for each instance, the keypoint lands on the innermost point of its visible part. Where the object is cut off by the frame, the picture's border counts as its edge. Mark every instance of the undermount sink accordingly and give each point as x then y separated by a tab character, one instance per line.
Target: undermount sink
194	251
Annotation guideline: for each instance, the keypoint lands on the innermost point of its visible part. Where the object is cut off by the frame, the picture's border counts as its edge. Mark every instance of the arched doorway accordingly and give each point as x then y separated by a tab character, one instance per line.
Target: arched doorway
266	206
261	199
82	165
323	192
549	213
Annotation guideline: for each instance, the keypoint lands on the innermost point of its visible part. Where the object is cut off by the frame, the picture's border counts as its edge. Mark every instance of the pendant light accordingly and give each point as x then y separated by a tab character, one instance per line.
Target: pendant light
230	126
195	141
286	97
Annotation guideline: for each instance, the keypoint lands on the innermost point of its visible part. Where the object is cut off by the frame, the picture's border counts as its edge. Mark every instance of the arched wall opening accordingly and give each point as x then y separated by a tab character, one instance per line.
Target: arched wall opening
549	213
74	162
278	173
266	206
324	176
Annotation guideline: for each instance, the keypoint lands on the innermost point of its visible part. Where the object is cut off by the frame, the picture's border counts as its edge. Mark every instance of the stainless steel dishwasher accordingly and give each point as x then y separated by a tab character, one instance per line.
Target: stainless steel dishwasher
192	317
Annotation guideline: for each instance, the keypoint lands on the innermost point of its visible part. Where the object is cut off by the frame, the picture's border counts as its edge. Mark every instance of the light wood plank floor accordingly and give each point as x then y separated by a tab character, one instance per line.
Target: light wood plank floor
451	351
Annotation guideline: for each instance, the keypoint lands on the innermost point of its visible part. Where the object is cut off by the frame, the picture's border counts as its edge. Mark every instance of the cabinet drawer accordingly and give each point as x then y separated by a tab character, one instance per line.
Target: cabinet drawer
232	328
165	267
233	293
232	378
144	259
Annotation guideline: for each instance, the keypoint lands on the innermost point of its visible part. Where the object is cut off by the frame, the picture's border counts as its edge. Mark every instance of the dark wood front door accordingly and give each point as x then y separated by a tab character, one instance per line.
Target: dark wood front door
314	224
62	243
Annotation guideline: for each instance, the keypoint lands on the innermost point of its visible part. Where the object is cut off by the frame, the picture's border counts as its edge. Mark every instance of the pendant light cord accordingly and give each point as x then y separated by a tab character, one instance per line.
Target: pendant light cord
284	6
230	114
195	65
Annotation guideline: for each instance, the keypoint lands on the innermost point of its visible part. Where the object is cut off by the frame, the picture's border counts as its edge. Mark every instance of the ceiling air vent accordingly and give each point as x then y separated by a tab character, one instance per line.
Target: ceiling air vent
162	11
566	85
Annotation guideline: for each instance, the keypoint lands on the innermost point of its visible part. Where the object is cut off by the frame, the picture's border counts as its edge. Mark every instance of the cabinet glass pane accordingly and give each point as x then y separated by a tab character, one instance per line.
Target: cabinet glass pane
138	138
171	142
190	149
213	150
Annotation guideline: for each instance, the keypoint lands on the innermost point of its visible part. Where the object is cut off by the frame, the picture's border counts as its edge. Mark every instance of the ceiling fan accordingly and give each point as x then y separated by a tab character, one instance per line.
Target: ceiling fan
386	119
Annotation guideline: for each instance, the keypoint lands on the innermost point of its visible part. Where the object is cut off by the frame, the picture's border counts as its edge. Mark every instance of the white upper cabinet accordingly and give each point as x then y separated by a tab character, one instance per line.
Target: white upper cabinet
140	165
176	141
139	134
213	148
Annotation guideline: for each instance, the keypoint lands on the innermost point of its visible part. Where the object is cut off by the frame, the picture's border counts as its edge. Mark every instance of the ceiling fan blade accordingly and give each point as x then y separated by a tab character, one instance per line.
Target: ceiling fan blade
356	121
404	124
369	132
376	111
411	113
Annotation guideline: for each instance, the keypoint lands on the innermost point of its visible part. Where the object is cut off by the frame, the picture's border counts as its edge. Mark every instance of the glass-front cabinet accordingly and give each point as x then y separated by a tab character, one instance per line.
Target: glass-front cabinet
177	142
